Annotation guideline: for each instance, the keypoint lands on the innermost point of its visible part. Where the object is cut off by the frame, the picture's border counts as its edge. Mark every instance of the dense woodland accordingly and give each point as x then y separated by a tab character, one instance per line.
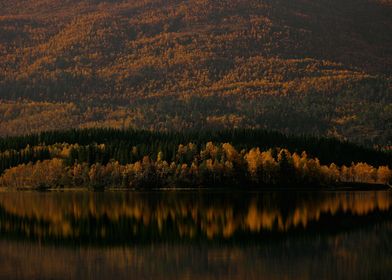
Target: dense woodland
319	67
99	158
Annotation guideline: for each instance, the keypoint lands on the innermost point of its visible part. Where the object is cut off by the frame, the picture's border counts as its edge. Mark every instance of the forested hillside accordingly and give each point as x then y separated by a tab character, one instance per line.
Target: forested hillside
322	67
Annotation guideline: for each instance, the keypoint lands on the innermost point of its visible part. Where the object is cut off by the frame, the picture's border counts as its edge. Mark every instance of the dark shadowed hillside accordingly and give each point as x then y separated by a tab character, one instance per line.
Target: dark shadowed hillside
299	66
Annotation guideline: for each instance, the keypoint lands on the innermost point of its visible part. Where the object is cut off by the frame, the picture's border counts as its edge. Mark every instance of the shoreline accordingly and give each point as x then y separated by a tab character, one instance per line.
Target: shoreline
338	187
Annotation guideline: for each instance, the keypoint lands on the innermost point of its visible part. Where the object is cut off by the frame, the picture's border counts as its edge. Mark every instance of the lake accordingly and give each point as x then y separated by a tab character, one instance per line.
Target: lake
196	235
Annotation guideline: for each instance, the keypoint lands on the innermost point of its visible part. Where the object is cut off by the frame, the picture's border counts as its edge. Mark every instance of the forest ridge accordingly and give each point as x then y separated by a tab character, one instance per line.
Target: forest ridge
322	67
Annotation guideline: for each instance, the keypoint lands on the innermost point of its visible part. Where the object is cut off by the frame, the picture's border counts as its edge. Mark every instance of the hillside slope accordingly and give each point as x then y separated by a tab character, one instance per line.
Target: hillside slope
299	66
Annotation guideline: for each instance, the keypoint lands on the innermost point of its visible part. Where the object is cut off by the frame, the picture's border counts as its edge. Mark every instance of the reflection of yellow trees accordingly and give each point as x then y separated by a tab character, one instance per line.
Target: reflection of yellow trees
190	216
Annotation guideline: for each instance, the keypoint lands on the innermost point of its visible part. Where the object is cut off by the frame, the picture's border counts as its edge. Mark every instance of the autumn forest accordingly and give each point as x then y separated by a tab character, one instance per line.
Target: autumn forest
133	159
307	67
196	139
154	93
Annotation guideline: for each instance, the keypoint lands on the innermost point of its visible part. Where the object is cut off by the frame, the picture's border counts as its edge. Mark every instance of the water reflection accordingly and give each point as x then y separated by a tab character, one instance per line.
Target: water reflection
122	218
192	235
362	254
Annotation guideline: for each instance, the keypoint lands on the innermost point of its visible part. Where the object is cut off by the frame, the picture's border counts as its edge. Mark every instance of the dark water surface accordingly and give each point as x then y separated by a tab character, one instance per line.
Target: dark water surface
196	235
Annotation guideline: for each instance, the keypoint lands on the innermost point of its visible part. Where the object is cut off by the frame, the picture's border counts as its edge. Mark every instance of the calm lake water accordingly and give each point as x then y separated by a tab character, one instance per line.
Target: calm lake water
196	235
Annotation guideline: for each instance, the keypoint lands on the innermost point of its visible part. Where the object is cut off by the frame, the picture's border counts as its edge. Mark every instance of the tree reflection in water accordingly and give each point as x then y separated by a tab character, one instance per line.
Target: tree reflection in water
128	217
195	235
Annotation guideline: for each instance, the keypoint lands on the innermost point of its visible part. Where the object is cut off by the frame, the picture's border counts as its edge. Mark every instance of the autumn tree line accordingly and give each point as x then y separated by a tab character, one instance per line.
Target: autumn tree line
142	159
215	165
81	145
